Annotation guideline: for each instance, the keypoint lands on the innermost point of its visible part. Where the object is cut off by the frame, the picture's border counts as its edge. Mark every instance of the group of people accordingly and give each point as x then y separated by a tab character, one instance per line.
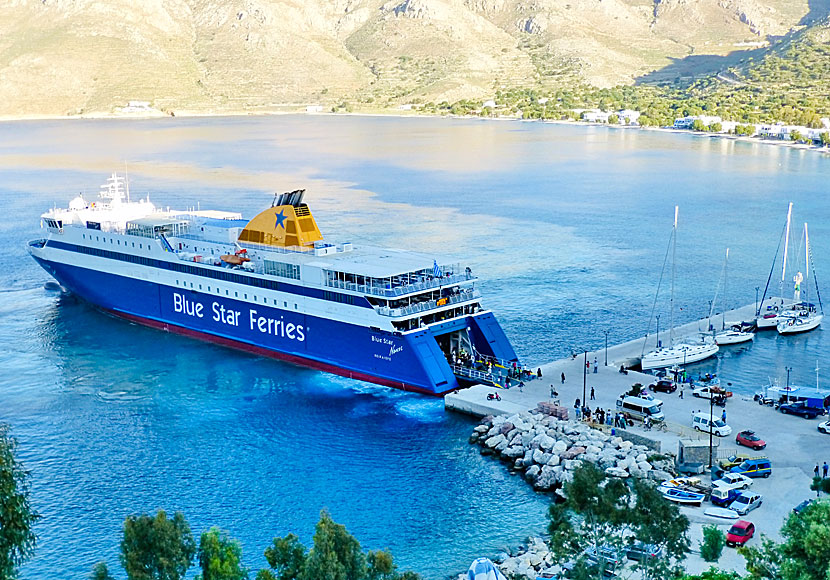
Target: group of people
824	469
600	415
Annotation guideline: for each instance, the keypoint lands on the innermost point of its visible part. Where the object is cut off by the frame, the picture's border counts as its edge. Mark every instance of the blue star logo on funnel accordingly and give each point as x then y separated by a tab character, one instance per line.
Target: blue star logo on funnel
280	219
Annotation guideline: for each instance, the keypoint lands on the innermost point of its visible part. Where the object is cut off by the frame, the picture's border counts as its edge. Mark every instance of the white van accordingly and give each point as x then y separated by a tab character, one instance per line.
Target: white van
641	408
701	422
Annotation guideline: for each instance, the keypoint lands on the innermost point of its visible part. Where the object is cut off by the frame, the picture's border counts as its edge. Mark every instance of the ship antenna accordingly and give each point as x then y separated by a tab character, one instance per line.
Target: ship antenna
127	180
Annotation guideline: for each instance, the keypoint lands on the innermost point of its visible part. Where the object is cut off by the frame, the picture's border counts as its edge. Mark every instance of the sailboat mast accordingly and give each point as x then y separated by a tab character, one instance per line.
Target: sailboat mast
786	249
673	267
723	308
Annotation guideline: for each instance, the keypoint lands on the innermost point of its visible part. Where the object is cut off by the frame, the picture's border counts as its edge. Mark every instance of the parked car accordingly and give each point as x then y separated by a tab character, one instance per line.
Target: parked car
740	533
748	438
746	502
702	422
733	460
760	467
801	409
639	551
663	386
824	427
608	556
733	481
722	496
800	507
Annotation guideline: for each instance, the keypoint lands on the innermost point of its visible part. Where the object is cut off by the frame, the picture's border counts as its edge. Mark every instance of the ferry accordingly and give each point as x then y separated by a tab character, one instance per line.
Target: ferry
273	286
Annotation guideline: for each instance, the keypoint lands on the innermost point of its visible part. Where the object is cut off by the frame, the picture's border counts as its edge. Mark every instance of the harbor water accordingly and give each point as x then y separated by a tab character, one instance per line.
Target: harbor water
566	227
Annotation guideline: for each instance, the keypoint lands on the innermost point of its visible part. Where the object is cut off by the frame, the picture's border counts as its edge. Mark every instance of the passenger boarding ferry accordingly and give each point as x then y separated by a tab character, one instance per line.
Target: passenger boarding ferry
273	286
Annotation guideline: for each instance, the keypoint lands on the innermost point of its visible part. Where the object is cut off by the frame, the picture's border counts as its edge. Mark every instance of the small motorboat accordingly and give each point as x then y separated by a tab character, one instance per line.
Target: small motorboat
721	513
683	496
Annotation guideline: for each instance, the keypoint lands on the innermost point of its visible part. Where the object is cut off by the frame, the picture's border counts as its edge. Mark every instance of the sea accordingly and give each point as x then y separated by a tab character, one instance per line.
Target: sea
566	226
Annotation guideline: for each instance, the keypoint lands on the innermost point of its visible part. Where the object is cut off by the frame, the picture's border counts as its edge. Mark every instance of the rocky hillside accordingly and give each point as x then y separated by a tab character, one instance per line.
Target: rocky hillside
67	57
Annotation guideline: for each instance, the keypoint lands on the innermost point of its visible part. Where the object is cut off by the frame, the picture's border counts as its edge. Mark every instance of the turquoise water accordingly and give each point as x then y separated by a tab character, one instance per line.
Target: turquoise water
566	226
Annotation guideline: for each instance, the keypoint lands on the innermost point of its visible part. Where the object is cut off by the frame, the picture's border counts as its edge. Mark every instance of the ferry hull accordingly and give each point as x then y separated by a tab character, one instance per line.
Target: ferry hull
411	361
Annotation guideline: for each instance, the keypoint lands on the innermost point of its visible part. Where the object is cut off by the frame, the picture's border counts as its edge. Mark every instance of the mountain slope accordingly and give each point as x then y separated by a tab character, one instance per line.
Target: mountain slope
61	57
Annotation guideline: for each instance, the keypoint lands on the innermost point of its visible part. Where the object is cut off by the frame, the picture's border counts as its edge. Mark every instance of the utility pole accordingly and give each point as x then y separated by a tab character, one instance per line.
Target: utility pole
711	426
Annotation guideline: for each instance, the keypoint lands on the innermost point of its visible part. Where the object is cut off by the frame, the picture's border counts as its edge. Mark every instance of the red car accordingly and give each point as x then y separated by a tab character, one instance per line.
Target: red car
750	439
740	533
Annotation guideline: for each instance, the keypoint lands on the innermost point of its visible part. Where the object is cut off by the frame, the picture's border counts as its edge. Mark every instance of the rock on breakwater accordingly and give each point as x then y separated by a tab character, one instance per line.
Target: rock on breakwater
546	449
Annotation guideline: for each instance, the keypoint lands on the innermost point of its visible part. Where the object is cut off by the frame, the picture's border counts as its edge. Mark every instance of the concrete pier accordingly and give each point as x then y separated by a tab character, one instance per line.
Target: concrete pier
794	445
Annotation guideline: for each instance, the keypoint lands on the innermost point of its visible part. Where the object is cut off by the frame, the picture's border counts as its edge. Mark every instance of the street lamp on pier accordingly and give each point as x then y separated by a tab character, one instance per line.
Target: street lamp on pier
658	331
788	369
757	311
607	330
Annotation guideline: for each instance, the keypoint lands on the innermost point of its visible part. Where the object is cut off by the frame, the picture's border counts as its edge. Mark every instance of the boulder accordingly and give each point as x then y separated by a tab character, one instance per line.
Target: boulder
571	464
641	457
546	442
540	457
481	429
644	466
560	447
553	461
514	451
616	472
575	451
506	427
493	441
502	445
533	472
593	449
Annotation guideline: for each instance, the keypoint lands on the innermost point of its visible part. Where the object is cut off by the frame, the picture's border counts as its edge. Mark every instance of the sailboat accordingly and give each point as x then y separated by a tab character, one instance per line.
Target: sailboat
684	352
769	317
736	334
803	316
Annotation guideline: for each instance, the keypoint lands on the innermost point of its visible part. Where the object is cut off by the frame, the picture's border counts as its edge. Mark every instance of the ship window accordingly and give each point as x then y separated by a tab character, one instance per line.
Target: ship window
285	304
295	307
236	294
227	293
208	288
200	286
97	239
134	244
191	284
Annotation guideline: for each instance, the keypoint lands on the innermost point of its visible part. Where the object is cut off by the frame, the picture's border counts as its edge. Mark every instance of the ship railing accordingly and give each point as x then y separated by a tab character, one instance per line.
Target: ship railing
395	291
476	375
462	296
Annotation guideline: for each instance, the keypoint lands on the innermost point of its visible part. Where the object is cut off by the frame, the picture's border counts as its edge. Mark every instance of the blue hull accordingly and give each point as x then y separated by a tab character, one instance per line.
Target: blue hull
411	362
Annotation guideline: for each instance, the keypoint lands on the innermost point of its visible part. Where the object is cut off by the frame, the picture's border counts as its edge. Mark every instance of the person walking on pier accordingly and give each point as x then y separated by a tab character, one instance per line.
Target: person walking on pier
723	416
824	469
595	365
681	392
563	378
815	471
593	398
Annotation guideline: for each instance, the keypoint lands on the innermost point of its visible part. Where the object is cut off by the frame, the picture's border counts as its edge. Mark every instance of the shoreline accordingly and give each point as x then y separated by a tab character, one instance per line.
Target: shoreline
185	114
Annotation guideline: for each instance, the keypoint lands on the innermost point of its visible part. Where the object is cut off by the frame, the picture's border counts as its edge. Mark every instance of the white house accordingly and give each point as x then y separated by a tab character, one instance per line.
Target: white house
596	116
628	116
314	109
489	104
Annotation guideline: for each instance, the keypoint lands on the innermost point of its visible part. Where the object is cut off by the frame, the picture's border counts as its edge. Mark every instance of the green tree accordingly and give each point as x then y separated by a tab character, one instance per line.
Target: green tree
825	138
712	545
715	128
713	574
659	522
286	557
100	572
698	125
601	511
613	119
220	557
157	548
17	540
796	136
336	554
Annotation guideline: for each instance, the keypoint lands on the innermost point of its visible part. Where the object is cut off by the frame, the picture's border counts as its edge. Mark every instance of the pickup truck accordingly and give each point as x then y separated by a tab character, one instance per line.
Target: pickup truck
800	409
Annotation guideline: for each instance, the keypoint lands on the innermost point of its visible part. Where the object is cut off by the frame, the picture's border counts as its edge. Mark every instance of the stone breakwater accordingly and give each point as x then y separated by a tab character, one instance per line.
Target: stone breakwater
546	449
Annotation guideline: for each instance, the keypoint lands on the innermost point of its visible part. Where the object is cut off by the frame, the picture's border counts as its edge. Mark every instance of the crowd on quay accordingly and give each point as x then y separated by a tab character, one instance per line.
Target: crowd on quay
500	375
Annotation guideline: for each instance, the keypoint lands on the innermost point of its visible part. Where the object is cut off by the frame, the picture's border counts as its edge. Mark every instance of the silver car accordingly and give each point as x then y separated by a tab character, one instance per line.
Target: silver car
746	502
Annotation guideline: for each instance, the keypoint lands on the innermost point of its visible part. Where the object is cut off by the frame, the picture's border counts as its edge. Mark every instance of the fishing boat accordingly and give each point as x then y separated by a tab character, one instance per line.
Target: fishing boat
679	495
686	351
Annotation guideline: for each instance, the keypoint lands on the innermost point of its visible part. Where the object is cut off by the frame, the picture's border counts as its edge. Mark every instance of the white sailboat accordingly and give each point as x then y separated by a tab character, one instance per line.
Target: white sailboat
735	334
768	318
804	316
682	353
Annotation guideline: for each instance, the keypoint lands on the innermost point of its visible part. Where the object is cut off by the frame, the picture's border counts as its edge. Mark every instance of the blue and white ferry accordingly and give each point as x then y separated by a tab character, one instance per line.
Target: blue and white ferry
274	286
